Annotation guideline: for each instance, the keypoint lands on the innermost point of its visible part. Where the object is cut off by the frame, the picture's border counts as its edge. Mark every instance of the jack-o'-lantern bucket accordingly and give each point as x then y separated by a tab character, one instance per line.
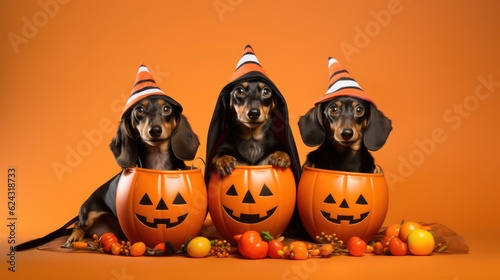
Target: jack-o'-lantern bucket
345	203
155	206
260	198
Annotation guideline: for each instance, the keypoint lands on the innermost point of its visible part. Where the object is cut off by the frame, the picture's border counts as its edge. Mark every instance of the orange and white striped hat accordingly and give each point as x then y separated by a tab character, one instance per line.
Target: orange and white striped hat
247	63
145	86
342	84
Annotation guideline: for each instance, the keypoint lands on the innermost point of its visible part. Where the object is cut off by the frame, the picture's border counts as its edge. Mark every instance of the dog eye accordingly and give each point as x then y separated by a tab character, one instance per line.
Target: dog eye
167	110
139	109
333	110
239	92
359	111
266	92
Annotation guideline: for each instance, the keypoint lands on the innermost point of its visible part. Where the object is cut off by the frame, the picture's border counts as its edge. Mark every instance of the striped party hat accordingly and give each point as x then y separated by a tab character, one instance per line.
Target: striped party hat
144	86
247	63
342	84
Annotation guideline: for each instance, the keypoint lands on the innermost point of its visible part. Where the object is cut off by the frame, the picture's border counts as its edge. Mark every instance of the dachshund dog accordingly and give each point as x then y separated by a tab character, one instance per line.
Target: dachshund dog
252	142
345	128
154	135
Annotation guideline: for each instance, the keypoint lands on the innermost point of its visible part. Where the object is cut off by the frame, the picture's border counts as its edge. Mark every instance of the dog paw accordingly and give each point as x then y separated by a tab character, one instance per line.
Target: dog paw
76	235
225	165
279	159
68	244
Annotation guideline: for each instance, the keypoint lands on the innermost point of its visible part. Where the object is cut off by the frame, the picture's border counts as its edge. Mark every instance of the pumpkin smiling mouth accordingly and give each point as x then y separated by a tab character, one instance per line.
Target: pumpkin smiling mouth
157	222
250	218
341	218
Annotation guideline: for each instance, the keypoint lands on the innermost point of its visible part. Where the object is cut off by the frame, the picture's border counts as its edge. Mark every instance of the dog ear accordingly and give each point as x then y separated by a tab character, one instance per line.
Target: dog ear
311	127
184	141
123	145
377	131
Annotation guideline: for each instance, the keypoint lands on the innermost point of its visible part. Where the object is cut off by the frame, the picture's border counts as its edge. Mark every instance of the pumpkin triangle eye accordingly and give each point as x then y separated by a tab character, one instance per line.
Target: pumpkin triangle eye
161	205
329	199
145	200
361	200
232	191
179	199
265	191
248	198
344	204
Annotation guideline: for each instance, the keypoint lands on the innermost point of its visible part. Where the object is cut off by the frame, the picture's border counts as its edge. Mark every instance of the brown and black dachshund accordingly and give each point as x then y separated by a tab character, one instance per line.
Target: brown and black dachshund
251	141
345	129
153	135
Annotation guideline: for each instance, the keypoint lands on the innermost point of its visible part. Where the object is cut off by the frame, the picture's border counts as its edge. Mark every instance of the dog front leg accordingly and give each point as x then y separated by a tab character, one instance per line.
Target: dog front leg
80	230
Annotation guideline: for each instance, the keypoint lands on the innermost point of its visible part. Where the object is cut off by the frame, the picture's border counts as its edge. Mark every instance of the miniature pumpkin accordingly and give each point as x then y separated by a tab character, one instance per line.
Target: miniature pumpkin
260	198
161	206
345	203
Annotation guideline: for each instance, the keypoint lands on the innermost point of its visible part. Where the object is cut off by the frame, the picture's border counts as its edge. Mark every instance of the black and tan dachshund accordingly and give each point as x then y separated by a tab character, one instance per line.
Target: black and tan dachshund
154	134
251	141
345	129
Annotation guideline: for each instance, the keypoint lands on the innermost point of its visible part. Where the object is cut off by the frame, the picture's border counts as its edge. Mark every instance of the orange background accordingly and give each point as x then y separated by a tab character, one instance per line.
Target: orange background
68	67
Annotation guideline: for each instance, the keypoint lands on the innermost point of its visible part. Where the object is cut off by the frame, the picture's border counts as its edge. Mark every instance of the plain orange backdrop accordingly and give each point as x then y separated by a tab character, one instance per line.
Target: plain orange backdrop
431	66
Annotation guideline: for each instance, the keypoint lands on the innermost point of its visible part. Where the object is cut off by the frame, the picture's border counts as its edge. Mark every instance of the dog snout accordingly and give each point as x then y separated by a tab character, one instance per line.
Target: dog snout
346	134
155	131
253	114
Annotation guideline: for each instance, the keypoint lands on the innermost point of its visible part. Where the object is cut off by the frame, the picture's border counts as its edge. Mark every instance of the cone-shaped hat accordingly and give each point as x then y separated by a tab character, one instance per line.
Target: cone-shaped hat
247	63
342	84
145	86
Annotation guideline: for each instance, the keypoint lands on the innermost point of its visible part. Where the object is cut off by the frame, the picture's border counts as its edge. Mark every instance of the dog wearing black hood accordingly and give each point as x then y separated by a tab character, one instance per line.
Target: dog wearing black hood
250	126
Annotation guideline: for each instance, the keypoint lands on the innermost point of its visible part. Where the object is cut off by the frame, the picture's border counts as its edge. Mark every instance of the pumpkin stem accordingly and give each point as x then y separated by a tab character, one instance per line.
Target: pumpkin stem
266	236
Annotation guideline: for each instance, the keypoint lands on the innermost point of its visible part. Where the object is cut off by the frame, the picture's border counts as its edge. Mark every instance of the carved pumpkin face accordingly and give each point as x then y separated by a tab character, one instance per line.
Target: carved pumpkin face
260	198
147	204
234	200
345	203
159	206
344	211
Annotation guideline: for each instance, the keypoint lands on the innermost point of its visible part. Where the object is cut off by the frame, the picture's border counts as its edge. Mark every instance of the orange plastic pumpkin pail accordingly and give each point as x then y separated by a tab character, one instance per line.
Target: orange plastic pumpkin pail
157	206
345	203
260	198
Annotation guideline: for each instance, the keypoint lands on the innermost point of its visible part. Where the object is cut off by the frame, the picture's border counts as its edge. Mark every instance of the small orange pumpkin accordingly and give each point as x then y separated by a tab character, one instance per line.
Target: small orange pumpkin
156	206
260	198
345	203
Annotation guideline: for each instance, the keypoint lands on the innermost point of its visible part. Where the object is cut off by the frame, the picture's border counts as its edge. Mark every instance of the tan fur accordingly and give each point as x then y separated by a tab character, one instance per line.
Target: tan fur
251	129
79	232
144	126
341	124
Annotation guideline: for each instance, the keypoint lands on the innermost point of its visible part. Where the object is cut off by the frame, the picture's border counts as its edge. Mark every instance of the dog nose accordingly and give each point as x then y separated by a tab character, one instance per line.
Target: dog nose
346	134
155	131
253	114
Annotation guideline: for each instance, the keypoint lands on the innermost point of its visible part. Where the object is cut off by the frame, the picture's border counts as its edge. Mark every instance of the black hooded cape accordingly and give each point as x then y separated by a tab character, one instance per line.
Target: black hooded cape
218	129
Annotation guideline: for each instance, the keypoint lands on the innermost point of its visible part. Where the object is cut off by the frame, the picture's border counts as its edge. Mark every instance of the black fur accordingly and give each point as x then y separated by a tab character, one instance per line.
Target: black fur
336	153
249	117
